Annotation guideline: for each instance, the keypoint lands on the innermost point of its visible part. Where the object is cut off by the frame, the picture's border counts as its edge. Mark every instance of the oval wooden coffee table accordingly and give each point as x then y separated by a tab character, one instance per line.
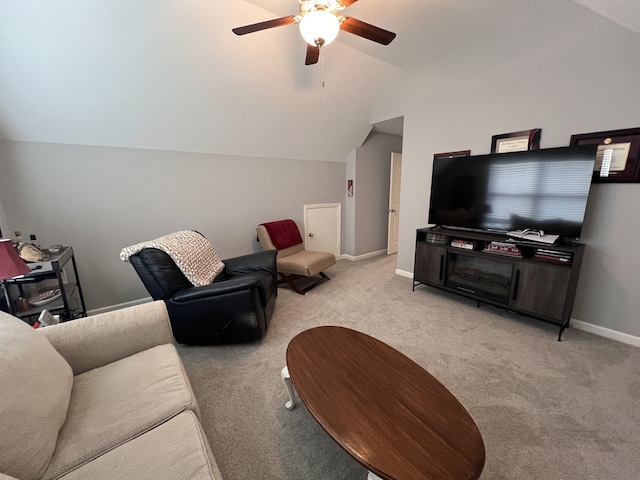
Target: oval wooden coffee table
385	410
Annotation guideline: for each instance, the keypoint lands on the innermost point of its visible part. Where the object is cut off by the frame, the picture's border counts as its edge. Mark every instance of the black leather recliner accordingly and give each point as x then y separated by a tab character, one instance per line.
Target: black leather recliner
236	307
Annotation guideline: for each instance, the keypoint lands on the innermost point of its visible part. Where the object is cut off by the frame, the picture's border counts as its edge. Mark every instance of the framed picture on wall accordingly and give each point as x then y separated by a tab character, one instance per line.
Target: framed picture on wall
618	155
516	141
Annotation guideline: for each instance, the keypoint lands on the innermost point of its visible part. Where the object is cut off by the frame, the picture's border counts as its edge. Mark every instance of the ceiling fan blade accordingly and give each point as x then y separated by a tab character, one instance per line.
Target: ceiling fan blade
346	3
365	30
256	27
313	53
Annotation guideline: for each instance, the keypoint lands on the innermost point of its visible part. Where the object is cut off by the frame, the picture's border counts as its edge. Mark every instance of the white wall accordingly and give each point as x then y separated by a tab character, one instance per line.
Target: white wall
172	76
567	73
101	199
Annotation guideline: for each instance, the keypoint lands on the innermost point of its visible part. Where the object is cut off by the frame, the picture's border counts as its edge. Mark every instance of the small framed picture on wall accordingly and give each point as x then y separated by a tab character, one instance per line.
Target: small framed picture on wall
516	141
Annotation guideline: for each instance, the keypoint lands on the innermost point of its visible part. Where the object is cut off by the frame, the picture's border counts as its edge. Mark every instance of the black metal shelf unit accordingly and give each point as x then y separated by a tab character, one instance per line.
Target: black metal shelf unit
61	272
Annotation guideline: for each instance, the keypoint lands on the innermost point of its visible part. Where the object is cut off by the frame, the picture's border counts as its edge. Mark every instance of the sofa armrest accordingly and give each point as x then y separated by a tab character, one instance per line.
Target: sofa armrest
98	340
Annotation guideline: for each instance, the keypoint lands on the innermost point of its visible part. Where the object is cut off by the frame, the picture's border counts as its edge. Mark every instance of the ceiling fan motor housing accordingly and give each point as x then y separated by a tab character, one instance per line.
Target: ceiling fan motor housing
332	6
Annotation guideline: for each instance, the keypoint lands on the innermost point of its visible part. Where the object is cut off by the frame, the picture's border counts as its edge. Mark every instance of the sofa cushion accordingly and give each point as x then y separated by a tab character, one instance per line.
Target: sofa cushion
110	405
35	388
176	449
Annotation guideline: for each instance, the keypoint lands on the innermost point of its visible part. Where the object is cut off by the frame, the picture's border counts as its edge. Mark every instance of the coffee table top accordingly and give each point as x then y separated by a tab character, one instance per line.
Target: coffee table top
385	410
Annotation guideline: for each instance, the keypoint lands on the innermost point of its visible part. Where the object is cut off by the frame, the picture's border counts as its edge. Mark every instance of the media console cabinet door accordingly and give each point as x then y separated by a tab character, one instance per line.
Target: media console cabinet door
541	289
429	264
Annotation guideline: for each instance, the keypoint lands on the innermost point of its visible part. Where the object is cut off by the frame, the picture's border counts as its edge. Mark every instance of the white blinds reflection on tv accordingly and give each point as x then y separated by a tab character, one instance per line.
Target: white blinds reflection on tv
536	191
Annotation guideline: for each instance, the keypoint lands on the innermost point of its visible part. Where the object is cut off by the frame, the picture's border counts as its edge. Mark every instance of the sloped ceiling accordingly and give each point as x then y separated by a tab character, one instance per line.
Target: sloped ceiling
623	12
170	74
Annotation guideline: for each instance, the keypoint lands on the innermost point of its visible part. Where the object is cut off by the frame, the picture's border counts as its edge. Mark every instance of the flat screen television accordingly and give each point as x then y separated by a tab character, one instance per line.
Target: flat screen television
537	189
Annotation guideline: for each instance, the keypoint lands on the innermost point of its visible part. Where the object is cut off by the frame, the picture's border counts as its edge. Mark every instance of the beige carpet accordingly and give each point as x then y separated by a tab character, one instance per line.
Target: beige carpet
546	410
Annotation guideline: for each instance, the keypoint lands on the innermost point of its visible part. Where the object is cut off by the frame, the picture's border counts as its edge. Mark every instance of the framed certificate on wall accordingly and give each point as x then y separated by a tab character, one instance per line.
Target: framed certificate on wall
516	141
618	155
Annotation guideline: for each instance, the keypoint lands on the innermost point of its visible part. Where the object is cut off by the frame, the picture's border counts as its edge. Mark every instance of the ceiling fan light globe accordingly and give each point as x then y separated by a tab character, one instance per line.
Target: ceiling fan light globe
319	24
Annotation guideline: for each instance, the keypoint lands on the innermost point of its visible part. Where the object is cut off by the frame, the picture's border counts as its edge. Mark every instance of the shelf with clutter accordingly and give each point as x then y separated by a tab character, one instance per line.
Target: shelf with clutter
34	280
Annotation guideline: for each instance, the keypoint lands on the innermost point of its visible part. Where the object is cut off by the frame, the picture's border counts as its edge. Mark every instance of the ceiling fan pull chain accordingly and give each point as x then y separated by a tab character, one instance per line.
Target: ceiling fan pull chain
322	66
321	73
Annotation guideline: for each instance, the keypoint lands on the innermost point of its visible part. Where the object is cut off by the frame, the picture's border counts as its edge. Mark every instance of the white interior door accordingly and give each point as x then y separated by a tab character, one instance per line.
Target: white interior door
322	227
394	203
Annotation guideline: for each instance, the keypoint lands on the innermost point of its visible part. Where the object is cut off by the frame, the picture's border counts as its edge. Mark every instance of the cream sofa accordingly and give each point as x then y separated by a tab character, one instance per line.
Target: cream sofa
102	397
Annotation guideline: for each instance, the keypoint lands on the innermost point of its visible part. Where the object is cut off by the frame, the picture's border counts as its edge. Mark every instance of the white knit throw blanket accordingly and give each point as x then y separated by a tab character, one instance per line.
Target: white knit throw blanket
194	255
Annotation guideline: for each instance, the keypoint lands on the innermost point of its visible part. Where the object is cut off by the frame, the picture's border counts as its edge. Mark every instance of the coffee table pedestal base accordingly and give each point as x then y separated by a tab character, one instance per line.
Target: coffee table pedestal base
287	383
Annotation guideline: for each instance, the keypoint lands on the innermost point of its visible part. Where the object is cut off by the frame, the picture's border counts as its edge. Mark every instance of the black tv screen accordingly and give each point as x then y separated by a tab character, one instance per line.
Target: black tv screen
540	189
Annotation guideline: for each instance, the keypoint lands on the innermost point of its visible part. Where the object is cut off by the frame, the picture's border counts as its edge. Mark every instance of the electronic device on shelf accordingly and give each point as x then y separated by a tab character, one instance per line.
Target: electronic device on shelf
533	236
54	257
45	297
46	318
437	238
543	190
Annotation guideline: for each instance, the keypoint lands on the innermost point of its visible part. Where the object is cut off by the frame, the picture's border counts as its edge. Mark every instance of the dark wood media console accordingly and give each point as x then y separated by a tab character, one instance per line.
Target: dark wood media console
534	279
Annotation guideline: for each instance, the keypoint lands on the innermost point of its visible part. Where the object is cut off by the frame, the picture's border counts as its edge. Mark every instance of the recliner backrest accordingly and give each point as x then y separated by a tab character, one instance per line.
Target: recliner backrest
159	273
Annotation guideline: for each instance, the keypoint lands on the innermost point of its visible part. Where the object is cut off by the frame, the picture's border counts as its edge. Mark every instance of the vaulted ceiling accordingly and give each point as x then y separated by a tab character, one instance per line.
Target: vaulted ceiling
170	74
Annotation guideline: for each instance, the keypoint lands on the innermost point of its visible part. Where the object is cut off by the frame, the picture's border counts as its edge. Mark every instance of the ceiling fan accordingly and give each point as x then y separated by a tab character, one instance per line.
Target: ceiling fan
319	25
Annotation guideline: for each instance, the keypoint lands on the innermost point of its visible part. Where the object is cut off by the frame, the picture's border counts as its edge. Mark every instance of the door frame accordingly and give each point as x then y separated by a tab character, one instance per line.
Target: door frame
396	157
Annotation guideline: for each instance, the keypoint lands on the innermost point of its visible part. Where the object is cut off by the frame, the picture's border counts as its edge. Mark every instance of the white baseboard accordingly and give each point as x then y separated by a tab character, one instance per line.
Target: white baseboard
362	257
404	273
111	308
606	332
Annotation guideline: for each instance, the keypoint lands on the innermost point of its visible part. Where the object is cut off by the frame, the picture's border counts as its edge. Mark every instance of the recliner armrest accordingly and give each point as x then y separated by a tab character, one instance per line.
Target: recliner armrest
264	261
245	282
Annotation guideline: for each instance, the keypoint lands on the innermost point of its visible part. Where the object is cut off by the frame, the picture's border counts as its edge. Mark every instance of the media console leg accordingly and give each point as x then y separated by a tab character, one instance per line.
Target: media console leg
287	383
562	328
